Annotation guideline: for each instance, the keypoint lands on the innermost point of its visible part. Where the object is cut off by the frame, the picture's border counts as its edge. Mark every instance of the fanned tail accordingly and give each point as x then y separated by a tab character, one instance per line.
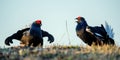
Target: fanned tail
109	30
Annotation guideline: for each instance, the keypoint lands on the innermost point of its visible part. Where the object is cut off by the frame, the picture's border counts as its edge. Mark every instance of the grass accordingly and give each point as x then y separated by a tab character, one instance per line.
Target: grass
105	52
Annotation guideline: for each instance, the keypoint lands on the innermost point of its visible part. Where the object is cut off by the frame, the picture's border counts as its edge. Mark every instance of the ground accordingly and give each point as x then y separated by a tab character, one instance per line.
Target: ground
59	52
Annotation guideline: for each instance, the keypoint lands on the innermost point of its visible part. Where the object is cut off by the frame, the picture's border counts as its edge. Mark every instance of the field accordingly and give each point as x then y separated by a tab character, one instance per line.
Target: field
59	52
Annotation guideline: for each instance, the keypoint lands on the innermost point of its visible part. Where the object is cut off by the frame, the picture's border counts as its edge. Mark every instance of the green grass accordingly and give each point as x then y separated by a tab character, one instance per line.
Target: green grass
105	52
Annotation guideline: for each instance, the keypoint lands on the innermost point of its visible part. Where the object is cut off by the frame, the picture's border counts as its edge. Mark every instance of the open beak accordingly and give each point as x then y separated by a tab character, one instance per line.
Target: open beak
77	20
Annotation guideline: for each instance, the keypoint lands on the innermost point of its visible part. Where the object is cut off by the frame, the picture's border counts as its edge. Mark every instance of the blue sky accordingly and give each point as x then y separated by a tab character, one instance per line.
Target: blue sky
16	14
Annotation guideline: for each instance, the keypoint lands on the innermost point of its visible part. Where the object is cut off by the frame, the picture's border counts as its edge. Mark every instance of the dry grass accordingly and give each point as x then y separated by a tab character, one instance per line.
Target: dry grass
104	52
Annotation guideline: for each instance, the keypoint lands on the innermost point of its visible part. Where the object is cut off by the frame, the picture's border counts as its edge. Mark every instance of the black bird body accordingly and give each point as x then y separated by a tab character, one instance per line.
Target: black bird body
90	35
34	41
34	37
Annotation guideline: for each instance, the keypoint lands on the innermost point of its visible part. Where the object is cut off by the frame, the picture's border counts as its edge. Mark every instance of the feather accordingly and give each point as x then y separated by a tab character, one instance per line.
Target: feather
97	34
109	30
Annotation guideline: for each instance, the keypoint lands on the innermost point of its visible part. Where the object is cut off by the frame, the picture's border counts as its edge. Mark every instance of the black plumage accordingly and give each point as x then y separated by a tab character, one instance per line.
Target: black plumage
90	35
34	41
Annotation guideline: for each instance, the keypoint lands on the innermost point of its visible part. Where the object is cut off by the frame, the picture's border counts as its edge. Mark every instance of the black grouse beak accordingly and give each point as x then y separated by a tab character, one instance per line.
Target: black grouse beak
76	20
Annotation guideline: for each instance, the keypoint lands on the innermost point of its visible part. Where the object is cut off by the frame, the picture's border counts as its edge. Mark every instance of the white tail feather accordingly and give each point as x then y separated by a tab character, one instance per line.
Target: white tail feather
109	30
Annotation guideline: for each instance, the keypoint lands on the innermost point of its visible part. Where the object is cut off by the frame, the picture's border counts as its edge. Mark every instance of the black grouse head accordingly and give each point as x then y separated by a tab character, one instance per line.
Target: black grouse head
81	23
37	23
80	19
